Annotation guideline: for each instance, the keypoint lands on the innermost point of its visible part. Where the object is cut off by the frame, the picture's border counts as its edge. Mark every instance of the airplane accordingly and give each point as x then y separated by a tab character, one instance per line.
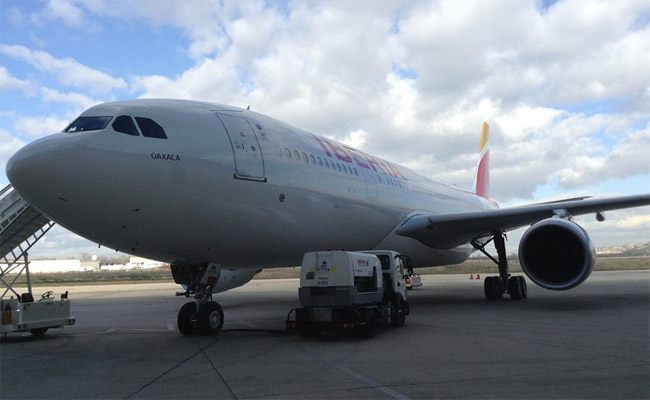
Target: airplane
220	192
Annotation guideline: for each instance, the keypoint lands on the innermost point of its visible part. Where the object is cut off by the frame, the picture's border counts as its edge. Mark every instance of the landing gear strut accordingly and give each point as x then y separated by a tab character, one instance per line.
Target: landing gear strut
496	286
202	316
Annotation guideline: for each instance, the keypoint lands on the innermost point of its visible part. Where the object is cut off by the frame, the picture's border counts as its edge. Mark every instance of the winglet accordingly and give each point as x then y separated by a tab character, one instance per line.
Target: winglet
482	180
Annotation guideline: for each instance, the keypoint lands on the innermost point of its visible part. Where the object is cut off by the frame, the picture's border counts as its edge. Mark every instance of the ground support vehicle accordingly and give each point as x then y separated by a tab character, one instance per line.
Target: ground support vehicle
21	313
350	290
26	315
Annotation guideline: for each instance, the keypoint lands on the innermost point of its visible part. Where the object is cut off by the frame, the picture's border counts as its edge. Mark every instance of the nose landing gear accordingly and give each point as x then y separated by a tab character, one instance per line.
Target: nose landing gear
203	315
207	321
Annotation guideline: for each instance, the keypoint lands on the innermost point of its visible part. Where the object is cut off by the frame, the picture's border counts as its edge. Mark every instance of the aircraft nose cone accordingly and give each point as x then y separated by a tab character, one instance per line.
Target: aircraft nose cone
21	167
32	170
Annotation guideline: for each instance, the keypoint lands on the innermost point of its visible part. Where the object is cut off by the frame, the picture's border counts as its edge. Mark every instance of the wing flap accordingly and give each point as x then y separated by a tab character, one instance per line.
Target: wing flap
445	231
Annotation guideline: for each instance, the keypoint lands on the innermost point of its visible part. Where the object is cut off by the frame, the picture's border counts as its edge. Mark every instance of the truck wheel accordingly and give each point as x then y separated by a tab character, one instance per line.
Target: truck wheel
369	330
398	316
399	320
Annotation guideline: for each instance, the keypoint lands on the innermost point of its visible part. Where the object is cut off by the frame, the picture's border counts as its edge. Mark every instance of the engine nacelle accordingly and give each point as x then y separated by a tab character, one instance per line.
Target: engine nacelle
220	279
556	254
232	278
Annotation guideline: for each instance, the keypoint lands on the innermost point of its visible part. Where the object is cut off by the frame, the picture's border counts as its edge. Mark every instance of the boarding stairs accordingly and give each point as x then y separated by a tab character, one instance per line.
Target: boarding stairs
21	226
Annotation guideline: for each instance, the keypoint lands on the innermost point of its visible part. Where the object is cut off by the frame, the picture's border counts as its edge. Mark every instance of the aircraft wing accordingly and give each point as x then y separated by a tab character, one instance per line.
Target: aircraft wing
445	231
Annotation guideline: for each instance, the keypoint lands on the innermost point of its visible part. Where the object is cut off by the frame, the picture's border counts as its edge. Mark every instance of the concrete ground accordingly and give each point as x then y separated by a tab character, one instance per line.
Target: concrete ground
589	342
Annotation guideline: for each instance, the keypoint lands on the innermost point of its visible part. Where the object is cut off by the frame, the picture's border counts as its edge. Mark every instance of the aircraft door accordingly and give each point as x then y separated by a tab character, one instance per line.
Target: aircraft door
249	161
371	184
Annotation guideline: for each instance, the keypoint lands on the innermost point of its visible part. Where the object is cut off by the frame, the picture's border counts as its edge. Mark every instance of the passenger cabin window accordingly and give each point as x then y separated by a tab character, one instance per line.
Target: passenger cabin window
88	124
124	124
150	128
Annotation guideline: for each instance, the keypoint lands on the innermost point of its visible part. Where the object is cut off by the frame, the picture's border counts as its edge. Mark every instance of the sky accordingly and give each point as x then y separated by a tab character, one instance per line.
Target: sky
564	85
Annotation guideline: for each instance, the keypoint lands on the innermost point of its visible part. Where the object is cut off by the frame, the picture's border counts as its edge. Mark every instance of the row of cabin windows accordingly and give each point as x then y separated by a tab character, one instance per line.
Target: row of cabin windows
315	160
323	162
431	193
123	124
335	166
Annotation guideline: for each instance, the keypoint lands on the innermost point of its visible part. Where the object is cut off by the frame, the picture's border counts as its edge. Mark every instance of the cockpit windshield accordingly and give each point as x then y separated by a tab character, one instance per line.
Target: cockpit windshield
88	124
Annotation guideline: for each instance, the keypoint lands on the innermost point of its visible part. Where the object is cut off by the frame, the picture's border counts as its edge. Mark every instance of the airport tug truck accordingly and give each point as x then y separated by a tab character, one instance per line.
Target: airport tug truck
350	290
22	313
26	315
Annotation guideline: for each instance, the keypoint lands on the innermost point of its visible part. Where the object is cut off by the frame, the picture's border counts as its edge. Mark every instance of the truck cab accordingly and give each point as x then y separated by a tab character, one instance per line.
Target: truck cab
392	270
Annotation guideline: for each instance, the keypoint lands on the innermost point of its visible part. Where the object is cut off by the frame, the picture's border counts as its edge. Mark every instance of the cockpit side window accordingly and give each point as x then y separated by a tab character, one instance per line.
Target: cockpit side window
124	124
150	128
88	124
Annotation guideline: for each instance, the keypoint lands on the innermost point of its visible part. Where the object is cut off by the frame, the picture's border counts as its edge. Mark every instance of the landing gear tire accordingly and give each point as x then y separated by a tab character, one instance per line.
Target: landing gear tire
38	332
492	288
514	288
210	318
517	288
368	330
524	287
187	319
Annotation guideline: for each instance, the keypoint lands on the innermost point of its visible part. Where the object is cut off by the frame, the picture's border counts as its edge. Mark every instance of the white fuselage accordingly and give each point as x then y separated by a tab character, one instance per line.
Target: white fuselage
229	186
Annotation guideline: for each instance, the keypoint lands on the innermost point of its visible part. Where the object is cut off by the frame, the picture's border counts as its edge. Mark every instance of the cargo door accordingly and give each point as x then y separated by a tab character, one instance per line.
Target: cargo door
249	161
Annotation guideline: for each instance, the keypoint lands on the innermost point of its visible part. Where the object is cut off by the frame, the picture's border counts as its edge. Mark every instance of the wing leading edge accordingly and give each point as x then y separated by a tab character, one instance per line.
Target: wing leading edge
445	231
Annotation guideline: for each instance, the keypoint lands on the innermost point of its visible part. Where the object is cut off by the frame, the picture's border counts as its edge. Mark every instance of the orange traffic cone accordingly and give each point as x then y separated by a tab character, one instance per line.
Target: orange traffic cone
471	276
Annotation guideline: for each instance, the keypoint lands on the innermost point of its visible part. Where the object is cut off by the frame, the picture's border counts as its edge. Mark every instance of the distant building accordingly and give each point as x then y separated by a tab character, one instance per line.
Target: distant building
48	266
42	266
90	265
112	267
143	263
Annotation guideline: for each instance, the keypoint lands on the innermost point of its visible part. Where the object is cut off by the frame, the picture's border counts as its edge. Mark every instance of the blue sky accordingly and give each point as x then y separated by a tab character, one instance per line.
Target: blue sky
564	85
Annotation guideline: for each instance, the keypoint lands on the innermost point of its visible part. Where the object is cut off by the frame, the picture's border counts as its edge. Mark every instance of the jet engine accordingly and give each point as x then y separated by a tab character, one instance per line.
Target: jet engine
556	254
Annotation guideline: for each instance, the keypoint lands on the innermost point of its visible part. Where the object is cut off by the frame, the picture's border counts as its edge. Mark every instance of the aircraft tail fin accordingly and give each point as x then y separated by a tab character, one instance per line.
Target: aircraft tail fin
482	179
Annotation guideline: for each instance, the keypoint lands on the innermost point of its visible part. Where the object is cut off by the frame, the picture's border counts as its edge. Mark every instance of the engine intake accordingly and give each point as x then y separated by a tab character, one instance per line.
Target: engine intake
556	254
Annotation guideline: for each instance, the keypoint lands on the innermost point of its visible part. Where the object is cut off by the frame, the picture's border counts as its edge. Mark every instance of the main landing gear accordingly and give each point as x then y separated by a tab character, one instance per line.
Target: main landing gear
202	316
496	286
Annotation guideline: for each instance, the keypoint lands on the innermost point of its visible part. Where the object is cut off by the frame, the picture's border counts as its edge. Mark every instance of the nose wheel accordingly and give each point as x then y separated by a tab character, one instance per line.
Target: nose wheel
207	320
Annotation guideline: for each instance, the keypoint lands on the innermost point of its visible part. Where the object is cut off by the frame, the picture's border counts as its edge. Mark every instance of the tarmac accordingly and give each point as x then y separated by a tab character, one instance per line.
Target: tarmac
589	342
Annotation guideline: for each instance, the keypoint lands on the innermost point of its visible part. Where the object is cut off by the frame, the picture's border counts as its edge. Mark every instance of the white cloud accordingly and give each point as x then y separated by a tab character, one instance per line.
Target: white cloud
68	71
65	10
8	82
627	158
40	126
8	146
635	221
77	100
